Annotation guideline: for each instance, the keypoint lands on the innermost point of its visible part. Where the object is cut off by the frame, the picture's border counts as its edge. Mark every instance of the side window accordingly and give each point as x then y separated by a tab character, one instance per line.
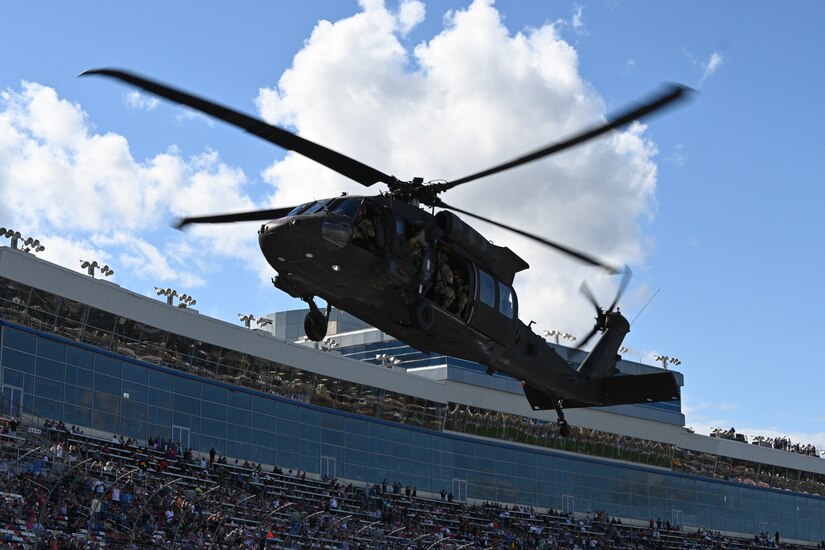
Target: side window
505	300
486	289
399	237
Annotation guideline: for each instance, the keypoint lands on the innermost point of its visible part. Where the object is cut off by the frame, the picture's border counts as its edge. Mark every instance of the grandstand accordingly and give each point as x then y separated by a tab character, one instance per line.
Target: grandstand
83	352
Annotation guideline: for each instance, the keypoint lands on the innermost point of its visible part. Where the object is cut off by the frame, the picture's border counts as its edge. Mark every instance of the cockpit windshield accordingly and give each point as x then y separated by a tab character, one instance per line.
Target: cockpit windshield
344	206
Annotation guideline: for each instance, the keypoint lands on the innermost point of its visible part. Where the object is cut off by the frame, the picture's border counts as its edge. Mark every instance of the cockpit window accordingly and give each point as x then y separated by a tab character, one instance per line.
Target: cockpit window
317	206
345	207
505	300
300	209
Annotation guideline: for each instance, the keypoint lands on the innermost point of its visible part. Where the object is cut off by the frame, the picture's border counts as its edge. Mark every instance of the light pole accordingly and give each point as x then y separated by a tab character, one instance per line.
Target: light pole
184	299
246	319
91	266
557	334
33	246
664	360
387	361
15	236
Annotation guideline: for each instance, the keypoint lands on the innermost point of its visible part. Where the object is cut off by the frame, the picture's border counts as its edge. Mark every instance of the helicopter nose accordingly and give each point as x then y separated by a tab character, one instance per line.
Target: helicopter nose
288	239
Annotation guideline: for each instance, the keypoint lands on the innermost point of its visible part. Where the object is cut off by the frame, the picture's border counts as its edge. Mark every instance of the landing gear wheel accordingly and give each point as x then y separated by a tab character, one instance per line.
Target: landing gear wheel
564	427
315	325
422	314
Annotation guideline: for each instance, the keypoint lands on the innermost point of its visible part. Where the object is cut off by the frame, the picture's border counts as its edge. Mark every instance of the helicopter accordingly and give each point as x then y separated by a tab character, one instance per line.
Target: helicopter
428	278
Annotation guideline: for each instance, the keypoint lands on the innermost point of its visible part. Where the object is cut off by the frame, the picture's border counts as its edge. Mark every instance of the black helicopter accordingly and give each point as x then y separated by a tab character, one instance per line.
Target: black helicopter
429	279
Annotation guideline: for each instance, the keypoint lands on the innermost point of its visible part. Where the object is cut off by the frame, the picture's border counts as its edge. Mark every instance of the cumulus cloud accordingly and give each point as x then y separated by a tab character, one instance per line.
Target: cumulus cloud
469	98
142	102
86	197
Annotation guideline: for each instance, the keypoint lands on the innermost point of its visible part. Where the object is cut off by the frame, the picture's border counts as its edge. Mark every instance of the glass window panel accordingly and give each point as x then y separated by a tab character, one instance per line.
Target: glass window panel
107	365
48	408
12	377
105	403
135	373
80	357
133	428
78	396
42	307
159	379
486	289
187	386
262	405
506	303
51	369
262	421
186	405
238	417
206	358
78	376
128	328
159	416
287	411
134	392
240	400
214	411
355	426
51	349
159	398
71	318
108	384
104	422
264	439
18	360
333	421
239	434
44	387
133	409
75	415
213	428
99	326
153	339
213	393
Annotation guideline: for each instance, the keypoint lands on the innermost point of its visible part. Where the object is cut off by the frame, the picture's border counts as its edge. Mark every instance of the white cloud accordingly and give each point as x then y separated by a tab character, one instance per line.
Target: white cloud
410	14
186	115
710	66
86	197
576	19
471	97
137	100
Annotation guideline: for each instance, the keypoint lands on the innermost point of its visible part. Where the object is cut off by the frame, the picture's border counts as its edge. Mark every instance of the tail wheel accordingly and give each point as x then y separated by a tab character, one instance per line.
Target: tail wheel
315	325
423	315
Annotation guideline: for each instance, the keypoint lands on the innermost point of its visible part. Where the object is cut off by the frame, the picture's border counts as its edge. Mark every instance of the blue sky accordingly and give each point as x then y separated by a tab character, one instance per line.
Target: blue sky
715	204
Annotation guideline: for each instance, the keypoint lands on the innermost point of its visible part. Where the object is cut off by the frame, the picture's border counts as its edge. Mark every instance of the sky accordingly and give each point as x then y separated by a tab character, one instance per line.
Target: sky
714	205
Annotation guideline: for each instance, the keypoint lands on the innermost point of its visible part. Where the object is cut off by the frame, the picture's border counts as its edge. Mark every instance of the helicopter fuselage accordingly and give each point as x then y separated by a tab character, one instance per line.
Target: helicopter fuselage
364	255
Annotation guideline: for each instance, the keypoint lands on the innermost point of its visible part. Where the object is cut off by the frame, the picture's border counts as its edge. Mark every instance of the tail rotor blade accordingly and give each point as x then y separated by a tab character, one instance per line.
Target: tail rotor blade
585	289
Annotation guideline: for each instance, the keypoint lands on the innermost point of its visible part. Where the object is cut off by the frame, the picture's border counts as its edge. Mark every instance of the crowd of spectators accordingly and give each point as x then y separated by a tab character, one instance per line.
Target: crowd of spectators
65	489
780	443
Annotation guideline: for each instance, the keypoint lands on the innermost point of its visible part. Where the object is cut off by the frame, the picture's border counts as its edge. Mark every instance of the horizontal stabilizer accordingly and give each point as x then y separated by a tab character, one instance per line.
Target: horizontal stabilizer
615	390
640	388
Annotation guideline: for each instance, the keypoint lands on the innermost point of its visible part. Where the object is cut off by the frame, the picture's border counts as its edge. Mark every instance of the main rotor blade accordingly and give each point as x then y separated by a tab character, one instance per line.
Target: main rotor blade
586	258
672	93
344	165
622	287
255	215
